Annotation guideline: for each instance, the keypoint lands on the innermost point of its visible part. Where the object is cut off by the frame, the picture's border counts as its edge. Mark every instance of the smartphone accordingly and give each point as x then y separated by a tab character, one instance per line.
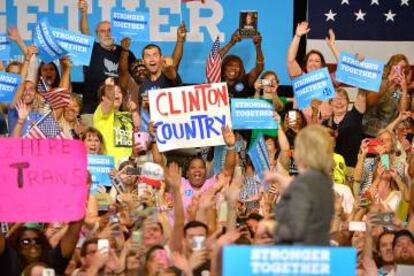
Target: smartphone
198	243
103	245
133	171
398	70
385	161
137	236
357	226
223	211
141	137
292	117
382	218
266	82
372	144
117	183
48	272
4	228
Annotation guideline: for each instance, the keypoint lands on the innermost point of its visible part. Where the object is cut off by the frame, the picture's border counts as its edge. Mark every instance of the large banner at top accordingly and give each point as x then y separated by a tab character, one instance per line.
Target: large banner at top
204	20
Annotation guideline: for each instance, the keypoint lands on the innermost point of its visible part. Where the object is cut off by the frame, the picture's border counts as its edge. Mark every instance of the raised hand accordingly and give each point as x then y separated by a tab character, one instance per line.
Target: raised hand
14	33
83	6
257	40
181	32
228	136
331	39
173	176
125	43
235	37
23	110
302	28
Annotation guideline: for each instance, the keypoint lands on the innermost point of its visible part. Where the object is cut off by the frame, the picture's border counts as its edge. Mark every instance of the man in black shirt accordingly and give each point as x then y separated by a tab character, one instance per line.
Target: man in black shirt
104	63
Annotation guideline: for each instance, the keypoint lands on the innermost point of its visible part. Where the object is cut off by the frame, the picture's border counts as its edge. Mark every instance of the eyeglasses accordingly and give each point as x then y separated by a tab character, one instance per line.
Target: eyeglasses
30	242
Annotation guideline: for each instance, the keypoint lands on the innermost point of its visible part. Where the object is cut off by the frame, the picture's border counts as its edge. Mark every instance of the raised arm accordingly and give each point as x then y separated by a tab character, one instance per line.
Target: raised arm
14	35
124	75
69	240
107	101
179	45
173	179
84	26
255	72
405	97
29	58
294	69
332	45
230	161
361	101
234	39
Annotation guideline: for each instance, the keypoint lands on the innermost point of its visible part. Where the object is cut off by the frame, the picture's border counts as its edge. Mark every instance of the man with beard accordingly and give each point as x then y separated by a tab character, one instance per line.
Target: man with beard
104	62
403	247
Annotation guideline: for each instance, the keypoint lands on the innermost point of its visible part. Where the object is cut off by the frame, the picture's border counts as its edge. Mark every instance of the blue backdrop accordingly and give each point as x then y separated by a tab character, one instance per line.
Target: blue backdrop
204	22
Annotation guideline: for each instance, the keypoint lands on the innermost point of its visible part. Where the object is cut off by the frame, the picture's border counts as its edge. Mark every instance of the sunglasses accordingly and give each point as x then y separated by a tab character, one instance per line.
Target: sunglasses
30	242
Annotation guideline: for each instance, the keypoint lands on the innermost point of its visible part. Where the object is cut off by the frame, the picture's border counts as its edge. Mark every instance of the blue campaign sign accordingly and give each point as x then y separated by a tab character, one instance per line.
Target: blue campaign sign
219	158
366	74
288	260
99	167
252	114
49	48
260	157
132	24
78	46
8	86
4	47
314	85
204	21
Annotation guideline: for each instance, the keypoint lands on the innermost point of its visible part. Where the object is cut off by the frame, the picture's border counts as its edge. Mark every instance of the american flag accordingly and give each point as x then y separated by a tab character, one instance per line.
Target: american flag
377	29
213	64
46	127
57	97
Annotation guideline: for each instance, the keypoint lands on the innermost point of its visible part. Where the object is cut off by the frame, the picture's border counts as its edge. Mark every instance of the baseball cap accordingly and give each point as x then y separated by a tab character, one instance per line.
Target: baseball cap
152	174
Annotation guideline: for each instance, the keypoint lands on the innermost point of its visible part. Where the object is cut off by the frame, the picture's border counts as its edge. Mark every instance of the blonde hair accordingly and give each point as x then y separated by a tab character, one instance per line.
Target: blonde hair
314	148
394	60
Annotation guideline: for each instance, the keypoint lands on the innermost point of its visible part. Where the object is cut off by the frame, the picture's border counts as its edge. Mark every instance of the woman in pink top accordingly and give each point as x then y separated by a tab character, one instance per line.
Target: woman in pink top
313	60
196	181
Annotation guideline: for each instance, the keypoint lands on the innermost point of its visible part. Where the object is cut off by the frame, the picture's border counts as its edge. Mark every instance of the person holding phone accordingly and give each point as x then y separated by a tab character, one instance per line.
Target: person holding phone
380	176
393	97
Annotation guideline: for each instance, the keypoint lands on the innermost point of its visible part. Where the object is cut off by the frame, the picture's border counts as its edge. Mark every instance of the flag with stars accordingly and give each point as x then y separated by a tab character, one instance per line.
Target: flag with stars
46	127
377	29
213	65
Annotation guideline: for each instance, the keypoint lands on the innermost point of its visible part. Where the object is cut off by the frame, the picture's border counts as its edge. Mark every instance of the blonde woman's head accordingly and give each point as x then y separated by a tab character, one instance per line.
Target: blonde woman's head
314	149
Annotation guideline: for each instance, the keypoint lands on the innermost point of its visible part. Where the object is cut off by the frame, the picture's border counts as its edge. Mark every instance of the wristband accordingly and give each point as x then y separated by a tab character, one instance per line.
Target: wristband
230	148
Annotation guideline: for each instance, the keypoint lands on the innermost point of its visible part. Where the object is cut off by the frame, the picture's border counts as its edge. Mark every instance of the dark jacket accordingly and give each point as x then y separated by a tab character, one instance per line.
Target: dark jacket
305	210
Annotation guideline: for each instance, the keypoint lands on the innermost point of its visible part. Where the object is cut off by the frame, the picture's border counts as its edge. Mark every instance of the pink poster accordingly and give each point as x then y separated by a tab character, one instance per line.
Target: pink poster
42	180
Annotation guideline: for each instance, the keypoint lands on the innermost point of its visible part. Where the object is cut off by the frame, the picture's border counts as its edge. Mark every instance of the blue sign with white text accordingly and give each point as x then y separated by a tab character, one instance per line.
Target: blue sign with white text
78	46
288	260
99	166
204	20
8	86
49	49
134	25
4	47
314	85
252	114
260	157
366	74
